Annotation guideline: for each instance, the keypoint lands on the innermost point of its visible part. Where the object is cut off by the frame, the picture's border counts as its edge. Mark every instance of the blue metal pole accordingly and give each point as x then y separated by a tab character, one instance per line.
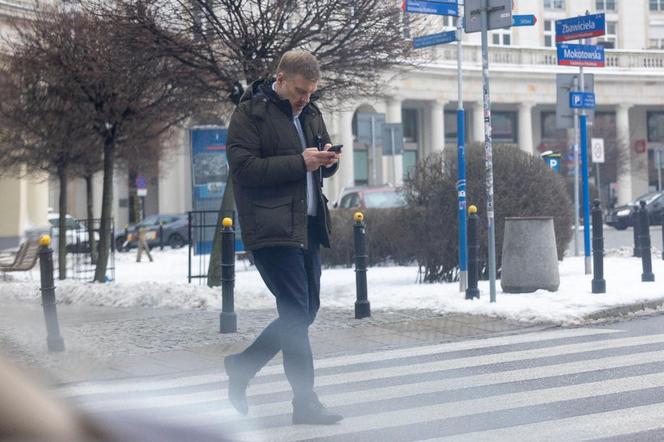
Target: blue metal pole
461	189
586	193
461	164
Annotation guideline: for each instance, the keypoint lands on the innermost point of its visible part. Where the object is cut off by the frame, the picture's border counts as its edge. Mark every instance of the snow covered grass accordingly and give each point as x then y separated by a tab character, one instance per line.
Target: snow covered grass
163	284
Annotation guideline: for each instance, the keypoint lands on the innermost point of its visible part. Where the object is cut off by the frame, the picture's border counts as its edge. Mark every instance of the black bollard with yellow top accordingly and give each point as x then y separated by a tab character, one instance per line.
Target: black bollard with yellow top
473	253
227	318
362	306
53	339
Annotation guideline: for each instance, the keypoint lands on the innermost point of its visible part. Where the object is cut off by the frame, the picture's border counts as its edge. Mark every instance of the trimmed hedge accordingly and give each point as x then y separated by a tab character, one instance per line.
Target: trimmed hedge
523	186
425	232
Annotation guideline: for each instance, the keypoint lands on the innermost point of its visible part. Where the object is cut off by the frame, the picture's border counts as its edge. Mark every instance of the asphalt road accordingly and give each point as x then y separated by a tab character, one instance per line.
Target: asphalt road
616	239
602	381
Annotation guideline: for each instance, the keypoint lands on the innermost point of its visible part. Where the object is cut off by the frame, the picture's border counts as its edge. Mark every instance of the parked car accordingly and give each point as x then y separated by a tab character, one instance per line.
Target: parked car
78	238
374	197
623	216
175	227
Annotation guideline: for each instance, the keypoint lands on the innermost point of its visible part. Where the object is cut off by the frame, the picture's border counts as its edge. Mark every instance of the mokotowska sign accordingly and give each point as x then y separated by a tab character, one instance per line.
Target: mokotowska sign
580	55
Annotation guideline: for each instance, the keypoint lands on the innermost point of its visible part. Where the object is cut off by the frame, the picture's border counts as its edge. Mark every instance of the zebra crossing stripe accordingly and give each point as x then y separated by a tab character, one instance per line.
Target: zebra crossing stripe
623	422
530	373
440	386
138	385
427	413
472	361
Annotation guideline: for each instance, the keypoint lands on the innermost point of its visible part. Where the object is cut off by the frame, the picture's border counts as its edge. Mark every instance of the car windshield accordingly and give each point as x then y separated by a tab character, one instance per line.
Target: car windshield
384	199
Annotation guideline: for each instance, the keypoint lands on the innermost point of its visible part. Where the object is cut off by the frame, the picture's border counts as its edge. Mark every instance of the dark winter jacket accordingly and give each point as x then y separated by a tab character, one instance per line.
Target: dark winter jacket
268	170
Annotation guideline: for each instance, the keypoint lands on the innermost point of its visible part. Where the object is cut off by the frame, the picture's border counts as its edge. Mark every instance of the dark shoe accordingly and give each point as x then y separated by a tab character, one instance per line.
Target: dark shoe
237	383
314	413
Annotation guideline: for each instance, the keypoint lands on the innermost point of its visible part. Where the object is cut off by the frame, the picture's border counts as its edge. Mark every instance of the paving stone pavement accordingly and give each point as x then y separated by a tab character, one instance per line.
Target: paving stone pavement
112	343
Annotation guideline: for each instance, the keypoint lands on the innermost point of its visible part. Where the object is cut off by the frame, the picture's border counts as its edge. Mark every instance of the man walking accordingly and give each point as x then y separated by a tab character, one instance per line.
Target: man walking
277	150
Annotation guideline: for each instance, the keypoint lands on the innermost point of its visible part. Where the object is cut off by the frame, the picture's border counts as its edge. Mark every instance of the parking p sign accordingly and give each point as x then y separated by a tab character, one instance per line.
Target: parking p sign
597	148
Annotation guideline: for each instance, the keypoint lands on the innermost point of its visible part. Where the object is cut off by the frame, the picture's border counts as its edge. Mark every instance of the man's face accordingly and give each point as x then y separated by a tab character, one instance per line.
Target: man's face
296	89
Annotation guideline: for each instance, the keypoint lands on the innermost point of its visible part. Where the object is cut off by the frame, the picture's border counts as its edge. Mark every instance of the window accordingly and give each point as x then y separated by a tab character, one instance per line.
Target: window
656	43
605	5
450	21
657	5
610	39
349	201
655	127
409	163
410	121
501	37
503	125
451	127
549	130
361	166
549	34
554	4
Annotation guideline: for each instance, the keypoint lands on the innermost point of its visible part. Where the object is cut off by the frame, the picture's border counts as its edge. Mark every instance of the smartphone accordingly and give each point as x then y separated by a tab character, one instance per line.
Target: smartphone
336	148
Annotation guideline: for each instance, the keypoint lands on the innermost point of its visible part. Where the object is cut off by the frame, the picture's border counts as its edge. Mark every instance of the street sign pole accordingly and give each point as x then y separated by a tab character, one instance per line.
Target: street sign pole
461	165
586	193
577	211
488	150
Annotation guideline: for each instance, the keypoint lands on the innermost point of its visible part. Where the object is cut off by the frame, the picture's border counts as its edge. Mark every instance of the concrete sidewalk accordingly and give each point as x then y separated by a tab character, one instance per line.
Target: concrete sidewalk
103	343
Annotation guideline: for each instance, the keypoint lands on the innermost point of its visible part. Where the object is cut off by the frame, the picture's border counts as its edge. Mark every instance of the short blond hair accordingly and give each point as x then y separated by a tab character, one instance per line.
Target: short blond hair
299	62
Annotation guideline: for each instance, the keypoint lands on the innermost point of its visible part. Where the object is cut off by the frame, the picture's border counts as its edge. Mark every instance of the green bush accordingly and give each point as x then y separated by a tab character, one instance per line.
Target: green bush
523	186
387	237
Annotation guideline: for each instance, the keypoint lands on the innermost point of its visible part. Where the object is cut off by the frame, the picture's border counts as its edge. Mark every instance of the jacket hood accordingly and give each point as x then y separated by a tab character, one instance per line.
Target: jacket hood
263	87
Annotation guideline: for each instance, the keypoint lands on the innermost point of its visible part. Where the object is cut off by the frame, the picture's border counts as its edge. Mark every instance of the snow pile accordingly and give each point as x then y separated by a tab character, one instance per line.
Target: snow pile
163	284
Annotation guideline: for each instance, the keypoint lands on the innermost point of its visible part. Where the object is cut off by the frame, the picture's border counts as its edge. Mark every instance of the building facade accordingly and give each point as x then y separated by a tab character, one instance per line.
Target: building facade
523	67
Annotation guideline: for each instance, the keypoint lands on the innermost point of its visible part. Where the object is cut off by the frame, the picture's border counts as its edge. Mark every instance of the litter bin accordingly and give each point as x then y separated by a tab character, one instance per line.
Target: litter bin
530	259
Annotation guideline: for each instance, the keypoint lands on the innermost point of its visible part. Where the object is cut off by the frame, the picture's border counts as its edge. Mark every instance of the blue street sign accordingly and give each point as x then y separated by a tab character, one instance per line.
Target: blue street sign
553	161
582	100
580	55
434	39
524	20
436	7
584	26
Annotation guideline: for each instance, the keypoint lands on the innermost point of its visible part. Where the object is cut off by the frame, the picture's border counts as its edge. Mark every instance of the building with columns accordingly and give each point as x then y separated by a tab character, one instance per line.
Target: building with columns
523	67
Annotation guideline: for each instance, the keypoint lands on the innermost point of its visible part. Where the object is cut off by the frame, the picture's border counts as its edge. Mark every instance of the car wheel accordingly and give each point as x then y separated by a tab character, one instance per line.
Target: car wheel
621	225
176	241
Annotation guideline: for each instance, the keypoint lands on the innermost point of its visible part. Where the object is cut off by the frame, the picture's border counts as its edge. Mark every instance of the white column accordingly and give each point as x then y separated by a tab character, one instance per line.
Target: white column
37	193
393	165
478	122
624	143
526	127
437	126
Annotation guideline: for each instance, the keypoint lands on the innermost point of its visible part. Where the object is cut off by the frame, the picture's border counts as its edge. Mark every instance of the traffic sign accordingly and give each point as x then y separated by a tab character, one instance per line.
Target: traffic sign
499	15
597	148
524	20
580	55
435	7
583	26
434	39
141	182
582	100
565	85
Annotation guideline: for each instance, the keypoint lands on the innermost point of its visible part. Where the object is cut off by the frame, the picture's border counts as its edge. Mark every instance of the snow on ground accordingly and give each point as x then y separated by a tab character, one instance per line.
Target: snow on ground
163	284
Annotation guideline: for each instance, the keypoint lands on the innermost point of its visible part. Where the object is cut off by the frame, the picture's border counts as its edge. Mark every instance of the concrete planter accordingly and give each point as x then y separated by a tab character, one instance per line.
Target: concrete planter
530	261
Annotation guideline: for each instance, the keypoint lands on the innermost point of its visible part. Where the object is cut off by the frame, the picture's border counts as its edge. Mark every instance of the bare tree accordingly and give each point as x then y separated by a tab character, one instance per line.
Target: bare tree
127	92
41	132
231	41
